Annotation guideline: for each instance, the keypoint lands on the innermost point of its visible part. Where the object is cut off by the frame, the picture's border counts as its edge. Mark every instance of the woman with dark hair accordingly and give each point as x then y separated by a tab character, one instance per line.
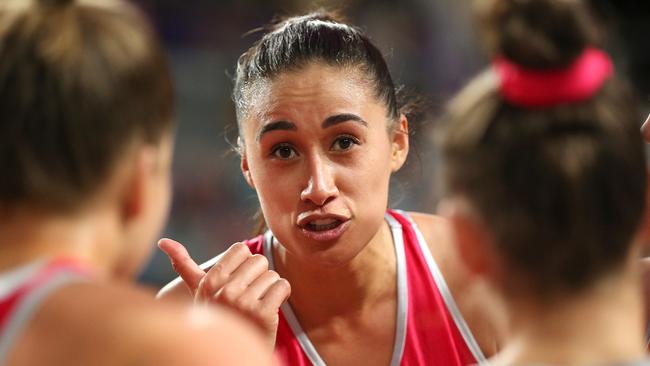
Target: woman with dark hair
321	130
86	132
545	182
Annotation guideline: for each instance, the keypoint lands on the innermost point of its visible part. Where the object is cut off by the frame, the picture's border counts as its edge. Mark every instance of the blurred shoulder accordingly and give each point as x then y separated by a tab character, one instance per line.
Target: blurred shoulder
438	236
127	323
434	228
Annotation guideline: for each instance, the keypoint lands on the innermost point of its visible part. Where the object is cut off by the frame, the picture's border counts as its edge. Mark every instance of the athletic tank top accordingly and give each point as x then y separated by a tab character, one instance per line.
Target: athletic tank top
22	290
430	329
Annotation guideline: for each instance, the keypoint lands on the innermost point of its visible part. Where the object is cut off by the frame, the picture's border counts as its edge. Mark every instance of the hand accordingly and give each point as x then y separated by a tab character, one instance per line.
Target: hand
238	279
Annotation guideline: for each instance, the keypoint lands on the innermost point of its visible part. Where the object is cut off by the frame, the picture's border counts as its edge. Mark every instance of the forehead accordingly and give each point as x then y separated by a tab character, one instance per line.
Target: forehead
316	87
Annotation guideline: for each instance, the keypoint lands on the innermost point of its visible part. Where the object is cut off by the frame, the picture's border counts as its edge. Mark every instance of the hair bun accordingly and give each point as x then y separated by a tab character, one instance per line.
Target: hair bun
538	34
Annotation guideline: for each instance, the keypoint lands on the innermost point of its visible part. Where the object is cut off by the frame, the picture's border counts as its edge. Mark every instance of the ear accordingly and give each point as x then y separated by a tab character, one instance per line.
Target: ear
400	144
470	237
246	171
137	181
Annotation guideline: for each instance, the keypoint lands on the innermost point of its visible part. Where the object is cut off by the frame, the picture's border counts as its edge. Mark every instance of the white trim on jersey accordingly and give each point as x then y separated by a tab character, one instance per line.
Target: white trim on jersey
402	299
23	311
438	278
14	278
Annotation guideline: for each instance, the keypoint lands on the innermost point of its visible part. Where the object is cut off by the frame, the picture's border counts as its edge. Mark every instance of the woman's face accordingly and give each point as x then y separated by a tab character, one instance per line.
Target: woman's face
318	151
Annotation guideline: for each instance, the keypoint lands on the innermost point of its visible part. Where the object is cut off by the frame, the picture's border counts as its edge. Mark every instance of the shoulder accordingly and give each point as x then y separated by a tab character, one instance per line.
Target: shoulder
127	325
432	226
478	304
437	235
439	239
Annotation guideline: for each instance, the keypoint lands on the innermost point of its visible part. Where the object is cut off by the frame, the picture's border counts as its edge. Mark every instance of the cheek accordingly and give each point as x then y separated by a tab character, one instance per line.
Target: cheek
371	174
277	189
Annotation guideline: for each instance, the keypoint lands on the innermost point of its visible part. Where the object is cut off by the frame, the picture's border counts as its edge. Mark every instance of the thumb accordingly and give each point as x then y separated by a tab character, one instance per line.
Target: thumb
182	263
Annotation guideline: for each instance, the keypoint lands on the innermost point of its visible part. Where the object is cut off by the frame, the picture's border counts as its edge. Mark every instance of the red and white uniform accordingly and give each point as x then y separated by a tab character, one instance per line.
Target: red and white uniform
430	329
22	290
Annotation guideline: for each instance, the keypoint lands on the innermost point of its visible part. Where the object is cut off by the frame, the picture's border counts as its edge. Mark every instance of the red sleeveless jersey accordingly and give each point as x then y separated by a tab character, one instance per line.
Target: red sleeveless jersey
430	329
22	290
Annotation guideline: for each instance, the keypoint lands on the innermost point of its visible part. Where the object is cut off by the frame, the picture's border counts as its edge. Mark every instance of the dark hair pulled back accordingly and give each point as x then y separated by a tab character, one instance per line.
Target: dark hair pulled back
561	189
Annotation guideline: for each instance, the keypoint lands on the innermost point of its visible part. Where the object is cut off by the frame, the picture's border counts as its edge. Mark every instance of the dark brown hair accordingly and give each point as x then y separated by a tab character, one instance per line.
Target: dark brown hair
79	84
319	36
561	189
324	37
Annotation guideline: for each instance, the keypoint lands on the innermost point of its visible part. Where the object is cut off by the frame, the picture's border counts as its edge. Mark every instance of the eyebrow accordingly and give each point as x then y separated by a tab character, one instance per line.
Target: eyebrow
344	117
275	126
329	122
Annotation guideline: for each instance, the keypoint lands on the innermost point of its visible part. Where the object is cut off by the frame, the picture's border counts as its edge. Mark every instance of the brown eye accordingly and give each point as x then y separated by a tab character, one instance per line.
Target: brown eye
284	152
344	143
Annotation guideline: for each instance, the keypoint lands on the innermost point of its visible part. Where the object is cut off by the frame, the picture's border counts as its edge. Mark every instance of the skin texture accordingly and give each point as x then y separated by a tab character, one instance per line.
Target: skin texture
343	289
107	321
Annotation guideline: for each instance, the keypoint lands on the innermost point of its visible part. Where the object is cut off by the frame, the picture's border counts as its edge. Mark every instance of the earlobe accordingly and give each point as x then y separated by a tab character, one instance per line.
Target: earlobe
135	185
400	144
246	171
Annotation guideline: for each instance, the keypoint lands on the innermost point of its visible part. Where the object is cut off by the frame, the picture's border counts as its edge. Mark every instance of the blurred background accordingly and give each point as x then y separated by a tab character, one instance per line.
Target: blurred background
431	47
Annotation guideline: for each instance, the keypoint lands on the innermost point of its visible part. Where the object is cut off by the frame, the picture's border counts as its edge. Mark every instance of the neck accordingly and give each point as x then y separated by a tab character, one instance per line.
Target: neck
602	324
343	291
27	235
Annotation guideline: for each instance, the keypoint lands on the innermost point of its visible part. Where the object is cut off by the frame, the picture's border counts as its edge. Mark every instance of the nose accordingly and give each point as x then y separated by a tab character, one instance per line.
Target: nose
321	186
645	130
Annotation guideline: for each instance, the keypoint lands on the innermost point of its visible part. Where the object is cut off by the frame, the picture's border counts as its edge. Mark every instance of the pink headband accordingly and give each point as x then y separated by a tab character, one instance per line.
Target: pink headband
547	88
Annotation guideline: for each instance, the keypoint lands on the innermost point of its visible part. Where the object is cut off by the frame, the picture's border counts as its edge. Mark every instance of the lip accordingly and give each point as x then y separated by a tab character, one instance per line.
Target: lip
325	235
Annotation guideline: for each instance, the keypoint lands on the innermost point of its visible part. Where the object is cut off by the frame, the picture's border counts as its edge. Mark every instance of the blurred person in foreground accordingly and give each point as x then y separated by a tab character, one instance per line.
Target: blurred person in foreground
545	185
85	150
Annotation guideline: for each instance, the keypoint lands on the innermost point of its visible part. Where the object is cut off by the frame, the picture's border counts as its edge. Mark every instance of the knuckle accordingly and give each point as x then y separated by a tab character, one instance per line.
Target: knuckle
239	249
267	312
260	260
241	304
284	285
217	268
272	275
216	277
229	293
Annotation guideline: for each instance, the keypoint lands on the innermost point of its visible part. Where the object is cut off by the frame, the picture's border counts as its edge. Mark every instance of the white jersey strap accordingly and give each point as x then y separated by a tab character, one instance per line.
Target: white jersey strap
402	299
456	315
19	317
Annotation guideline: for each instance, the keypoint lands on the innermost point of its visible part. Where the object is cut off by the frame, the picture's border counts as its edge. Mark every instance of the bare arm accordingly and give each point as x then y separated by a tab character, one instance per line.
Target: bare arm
204	337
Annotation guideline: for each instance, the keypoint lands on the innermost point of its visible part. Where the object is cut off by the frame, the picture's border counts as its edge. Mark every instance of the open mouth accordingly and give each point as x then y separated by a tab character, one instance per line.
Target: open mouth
323	224
323	228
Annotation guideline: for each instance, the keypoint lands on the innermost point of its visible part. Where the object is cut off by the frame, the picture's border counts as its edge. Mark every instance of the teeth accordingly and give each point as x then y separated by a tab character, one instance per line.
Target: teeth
323	222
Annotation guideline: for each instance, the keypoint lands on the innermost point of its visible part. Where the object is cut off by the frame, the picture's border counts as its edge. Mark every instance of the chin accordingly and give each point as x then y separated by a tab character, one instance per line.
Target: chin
336	253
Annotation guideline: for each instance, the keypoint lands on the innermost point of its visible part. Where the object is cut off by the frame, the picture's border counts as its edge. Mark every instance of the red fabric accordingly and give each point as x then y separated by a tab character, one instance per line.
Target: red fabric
11	302
287	347
432	337
546	88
